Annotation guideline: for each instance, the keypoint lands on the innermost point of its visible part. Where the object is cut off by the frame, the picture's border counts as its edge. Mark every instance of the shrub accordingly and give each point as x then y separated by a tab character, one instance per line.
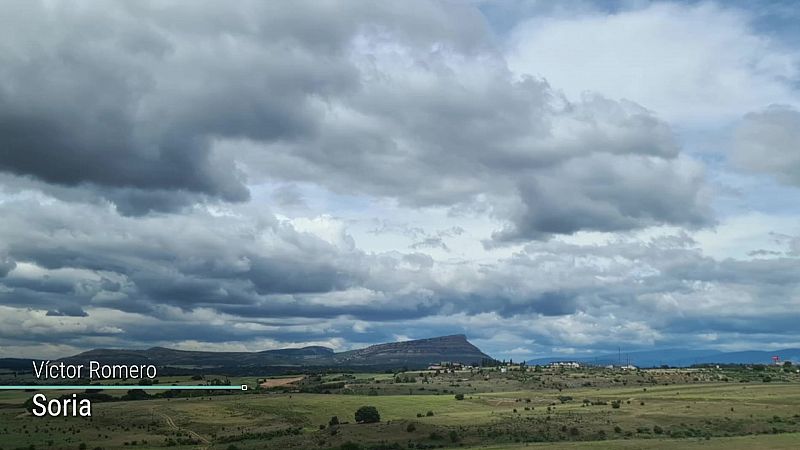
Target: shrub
658	430
334	421
367	414
453	436
459	396
429	413
411	428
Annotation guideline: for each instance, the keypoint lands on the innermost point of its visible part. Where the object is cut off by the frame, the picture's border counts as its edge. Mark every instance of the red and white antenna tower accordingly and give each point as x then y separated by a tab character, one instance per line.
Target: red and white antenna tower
776	359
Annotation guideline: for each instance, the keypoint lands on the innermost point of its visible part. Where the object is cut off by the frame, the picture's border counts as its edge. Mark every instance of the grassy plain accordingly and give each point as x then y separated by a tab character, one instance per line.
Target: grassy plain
709	408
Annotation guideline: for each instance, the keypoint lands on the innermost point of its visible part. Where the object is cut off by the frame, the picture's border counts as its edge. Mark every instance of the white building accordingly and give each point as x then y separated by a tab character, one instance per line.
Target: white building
566	364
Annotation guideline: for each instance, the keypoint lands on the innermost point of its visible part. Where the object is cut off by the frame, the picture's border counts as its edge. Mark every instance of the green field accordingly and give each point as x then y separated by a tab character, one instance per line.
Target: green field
557	409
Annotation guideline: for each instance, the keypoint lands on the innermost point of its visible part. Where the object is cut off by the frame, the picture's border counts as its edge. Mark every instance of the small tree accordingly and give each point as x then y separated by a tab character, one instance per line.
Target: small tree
459	396
367	414
334	421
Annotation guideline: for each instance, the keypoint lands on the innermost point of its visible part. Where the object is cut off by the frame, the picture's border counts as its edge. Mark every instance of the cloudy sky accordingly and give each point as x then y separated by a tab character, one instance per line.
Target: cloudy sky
543	177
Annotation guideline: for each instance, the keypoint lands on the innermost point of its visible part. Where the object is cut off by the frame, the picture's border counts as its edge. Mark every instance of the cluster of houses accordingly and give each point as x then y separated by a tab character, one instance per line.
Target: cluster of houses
446	366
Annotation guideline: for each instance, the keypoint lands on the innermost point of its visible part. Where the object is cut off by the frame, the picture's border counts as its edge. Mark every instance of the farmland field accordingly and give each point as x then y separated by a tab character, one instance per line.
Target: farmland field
478	409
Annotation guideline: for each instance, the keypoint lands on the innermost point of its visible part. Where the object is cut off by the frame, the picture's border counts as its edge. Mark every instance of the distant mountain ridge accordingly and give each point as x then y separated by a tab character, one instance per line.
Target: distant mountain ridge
412	354
678	357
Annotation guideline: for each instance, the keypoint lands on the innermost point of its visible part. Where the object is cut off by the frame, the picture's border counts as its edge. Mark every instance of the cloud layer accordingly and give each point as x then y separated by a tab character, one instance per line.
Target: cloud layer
344	173
153	108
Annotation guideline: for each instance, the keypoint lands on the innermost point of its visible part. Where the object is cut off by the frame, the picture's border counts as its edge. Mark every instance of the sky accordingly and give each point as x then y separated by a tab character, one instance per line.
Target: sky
544	177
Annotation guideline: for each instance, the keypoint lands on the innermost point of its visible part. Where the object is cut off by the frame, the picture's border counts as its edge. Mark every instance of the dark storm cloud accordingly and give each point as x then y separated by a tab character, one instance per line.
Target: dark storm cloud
227	278
185	261
532	158
83	256
129	96
606	194
155	106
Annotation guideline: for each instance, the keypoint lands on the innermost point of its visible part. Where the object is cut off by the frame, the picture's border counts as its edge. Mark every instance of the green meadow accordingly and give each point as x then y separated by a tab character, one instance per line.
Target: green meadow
589	409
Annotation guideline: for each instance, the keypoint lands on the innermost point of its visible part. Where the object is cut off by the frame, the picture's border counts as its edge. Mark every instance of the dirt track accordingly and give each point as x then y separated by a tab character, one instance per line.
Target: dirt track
172	425
280	382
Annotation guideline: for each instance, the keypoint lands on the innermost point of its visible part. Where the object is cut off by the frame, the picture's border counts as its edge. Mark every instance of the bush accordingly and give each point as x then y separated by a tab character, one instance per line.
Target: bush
453	436
429	413
411	428
459	396
658	430
334	421
367	414
615	404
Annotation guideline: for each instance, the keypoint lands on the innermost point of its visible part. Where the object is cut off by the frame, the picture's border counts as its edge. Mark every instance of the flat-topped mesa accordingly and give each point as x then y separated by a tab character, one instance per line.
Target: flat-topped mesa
454	348
413	354
455	342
